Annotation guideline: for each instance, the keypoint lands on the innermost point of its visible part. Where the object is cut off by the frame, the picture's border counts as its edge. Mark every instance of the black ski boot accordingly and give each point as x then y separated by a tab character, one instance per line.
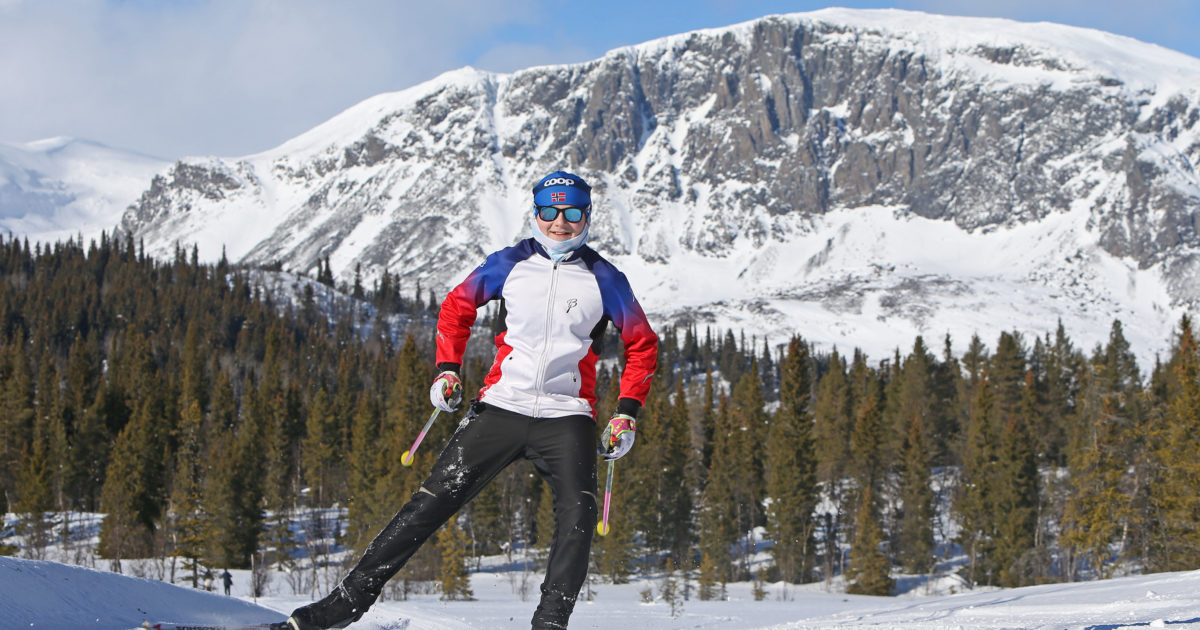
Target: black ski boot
337	610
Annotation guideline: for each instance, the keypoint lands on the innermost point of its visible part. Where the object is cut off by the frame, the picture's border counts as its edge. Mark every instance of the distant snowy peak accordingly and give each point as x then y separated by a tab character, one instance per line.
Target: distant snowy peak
991	159
991	48
1043	45
61	188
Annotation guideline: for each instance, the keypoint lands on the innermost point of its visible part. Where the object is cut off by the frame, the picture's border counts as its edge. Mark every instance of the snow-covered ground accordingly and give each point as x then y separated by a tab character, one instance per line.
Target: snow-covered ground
43	594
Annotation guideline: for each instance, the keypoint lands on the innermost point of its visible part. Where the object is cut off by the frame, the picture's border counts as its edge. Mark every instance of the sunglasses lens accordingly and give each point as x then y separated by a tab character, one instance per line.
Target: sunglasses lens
550	213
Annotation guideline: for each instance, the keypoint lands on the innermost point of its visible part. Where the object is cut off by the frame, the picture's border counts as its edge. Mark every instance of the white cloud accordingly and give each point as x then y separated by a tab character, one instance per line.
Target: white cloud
224	77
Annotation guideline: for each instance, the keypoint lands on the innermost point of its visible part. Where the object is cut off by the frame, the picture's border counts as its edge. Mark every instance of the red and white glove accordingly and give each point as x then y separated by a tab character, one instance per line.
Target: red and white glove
446	391
618	436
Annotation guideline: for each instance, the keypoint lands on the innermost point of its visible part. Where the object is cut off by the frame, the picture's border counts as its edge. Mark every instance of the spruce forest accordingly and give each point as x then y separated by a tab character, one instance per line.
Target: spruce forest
204	414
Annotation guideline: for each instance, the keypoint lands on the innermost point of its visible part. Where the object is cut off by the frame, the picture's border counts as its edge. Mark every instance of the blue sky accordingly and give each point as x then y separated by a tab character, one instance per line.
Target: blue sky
233	77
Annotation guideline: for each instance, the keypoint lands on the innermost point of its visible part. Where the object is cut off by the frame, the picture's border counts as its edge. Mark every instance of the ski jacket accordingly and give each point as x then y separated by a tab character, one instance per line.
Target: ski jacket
554	317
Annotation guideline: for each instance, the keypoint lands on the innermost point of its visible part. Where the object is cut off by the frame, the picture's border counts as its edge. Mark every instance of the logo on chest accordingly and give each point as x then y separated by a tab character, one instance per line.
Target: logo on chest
571	303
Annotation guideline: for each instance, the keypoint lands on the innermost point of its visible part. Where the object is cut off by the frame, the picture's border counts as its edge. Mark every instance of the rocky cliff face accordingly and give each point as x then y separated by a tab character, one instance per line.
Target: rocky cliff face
734	146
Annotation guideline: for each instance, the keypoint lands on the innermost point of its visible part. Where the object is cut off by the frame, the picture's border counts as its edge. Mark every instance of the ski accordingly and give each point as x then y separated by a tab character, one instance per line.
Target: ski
280	625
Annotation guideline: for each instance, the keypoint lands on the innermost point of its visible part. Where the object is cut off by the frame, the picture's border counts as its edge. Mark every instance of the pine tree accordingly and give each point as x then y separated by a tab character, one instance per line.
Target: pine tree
1101	507
89	445
914	540
718	526
184	514
363	463
791	469
195	384
998	498
1175	545
16	414
708	421
975	491
1016	498
129	496
1095	511
867	438
34	498
235	488
1061	371
868	573
320	447
641	470
677	503
917	396
454	576
832	422
970	377
744	458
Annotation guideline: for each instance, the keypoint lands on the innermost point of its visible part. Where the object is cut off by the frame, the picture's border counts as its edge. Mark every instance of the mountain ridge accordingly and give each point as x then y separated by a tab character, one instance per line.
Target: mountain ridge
729	164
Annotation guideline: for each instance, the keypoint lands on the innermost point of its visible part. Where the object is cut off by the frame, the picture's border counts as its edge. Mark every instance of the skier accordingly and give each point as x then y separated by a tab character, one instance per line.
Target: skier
537	401
227	580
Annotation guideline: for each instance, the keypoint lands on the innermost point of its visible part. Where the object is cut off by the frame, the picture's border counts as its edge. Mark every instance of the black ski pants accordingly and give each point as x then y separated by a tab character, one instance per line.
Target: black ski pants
562	450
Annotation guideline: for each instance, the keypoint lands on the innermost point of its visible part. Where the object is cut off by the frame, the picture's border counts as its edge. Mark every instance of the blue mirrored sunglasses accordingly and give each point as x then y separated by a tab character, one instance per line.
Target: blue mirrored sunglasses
573	214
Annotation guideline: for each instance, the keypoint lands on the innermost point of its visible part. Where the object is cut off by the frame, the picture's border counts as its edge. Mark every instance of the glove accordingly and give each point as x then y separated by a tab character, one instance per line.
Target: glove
618	436
446	391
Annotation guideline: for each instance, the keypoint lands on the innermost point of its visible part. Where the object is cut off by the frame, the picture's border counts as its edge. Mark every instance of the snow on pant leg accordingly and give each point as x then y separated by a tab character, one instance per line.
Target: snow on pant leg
480	448
563	451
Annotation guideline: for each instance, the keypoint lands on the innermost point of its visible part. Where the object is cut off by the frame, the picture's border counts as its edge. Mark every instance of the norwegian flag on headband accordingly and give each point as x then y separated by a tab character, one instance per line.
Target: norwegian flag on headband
558	197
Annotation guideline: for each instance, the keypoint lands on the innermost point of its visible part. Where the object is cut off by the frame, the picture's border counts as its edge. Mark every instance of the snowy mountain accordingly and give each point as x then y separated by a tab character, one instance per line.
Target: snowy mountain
62	188
858	177
50	595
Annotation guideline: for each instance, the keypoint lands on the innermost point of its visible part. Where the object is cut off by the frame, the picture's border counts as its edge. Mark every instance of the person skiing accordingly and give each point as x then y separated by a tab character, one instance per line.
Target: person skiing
227	580
537	401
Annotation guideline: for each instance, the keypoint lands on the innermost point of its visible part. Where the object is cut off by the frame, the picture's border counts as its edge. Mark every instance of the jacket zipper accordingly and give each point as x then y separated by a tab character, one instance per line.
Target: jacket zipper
540	377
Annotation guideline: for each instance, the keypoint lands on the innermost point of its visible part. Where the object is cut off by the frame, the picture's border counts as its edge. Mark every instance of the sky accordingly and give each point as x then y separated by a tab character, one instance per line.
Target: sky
175	78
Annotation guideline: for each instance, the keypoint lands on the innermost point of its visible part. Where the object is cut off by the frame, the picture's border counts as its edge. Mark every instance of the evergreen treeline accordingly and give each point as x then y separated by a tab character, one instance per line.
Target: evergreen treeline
203	416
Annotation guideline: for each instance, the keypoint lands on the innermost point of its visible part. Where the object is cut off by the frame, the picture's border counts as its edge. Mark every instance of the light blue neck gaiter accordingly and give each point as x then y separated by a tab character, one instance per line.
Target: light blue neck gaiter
557	250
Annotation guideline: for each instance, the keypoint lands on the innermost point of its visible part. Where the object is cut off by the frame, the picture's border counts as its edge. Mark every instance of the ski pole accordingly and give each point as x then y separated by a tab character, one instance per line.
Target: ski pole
602	526
406	458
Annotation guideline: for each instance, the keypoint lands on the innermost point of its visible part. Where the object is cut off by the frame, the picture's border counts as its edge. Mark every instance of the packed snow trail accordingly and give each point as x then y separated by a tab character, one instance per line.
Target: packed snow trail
36	594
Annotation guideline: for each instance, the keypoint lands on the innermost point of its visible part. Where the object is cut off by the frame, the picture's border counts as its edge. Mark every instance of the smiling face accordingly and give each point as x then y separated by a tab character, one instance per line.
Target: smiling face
560	229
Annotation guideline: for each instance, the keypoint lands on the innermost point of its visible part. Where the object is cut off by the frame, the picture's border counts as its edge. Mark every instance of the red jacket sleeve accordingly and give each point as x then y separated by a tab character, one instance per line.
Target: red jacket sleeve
457	315
641	344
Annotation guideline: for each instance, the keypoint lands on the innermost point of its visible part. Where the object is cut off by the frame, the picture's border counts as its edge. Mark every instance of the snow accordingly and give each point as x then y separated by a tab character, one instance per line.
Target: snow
49	593
42	594
356	120
899	275
1140	65
60	188
39	594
